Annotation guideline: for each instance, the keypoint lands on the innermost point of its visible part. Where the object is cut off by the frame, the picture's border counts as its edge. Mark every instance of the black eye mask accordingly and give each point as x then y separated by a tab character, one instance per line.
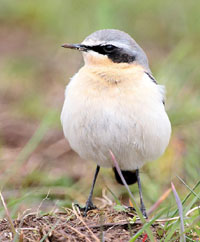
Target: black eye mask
116	54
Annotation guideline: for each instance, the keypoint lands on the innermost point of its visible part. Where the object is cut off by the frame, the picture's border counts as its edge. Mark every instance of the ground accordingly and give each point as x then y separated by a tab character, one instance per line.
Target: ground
105	224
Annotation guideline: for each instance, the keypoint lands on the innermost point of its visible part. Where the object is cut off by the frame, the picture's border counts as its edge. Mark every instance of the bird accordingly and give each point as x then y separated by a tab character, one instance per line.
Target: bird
113	103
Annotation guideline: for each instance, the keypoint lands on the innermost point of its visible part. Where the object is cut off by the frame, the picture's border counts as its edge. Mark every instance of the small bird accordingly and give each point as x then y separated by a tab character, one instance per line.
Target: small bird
113	103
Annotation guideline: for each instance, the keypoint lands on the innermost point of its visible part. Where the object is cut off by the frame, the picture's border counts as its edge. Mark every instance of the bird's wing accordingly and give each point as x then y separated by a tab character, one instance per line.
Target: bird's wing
161	87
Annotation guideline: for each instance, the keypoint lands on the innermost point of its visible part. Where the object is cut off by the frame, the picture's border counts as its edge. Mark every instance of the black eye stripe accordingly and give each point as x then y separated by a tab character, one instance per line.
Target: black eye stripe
114	53
103	49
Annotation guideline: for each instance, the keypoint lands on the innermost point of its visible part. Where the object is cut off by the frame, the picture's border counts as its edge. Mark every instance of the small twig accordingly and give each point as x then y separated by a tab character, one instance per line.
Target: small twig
34	229
108	225
8	215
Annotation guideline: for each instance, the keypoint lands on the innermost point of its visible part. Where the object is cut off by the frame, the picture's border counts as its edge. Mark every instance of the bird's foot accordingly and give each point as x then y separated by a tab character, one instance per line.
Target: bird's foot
144	213
88	206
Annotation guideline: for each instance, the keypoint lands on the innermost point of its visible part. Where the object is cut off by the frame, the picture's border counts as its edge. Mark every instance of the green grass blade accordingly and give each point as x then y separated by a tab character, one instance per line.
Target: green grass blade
180	208
172	231
188	207
147	225
188	187
184	201
148	230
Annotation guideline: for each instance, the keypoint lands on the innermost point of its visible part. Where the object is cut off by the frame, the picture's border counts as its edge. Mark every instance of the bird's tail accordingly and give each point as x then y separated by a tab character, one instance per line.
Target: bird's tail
129	176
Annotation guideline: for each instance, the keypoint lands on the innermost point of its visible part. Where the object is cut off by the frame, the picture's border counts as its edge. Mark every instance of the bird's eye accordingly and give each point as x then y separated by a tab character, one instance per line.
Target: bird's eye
108	48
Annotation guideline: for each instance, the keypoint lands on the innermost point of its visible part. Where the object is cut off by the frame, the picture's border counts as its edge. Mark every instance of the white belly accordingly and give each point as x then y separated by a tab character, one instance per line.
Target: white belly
135	127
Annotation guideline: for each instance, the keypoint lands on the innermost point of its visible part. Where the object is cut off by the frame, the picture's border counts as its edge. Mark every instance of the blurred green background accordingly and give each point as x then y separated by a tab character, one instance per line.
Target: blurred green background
35	159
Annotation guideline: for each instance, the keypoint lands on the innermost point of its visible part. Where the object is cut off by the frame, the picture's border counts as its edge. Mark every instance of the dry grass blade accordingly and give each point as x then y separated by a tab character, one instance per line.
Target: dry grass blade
162	220
8	216
46	235
188	195
160	200
83	222
21	237
46	197
180	208
192	210
127	187
148	230
79	233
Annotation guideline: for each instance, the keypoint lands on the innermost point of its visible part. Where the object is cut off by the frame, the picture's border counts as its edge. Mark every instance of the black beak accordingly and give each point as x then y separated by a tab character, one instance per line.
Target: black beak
75	46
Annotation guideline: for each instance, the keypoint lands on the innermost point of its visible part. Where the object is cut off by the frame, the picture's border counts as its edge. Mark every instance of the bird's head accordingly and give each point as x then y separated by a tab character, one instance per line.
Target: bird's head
110	46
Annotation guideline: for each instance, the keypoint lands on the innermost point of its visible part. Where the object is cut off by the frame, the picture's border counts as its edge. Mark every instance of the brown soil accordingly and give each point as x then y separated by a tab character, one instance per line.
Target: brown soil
106	224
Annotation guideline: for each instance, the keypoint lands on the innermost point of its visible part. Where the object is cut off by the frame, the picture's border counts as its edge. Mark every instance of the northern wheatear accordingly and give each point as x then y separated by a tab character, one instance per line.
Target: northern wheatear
114	103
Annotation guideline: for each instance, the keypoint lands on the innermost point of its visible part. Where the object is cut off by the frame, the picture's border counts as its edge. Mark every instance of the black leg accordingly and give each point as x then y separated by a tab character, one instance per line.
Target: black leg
143	209
89	204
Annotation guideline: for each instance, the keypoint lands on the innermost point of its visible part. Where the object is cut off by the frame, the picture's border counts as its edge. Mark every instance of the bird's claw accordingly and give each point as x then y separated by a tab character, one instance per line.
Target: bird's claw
89	206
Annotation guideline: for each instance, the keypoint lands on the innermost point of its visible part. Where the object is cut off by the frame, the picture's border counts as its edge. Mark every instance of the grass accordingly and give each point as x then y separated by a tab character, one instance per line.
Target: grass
34	72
